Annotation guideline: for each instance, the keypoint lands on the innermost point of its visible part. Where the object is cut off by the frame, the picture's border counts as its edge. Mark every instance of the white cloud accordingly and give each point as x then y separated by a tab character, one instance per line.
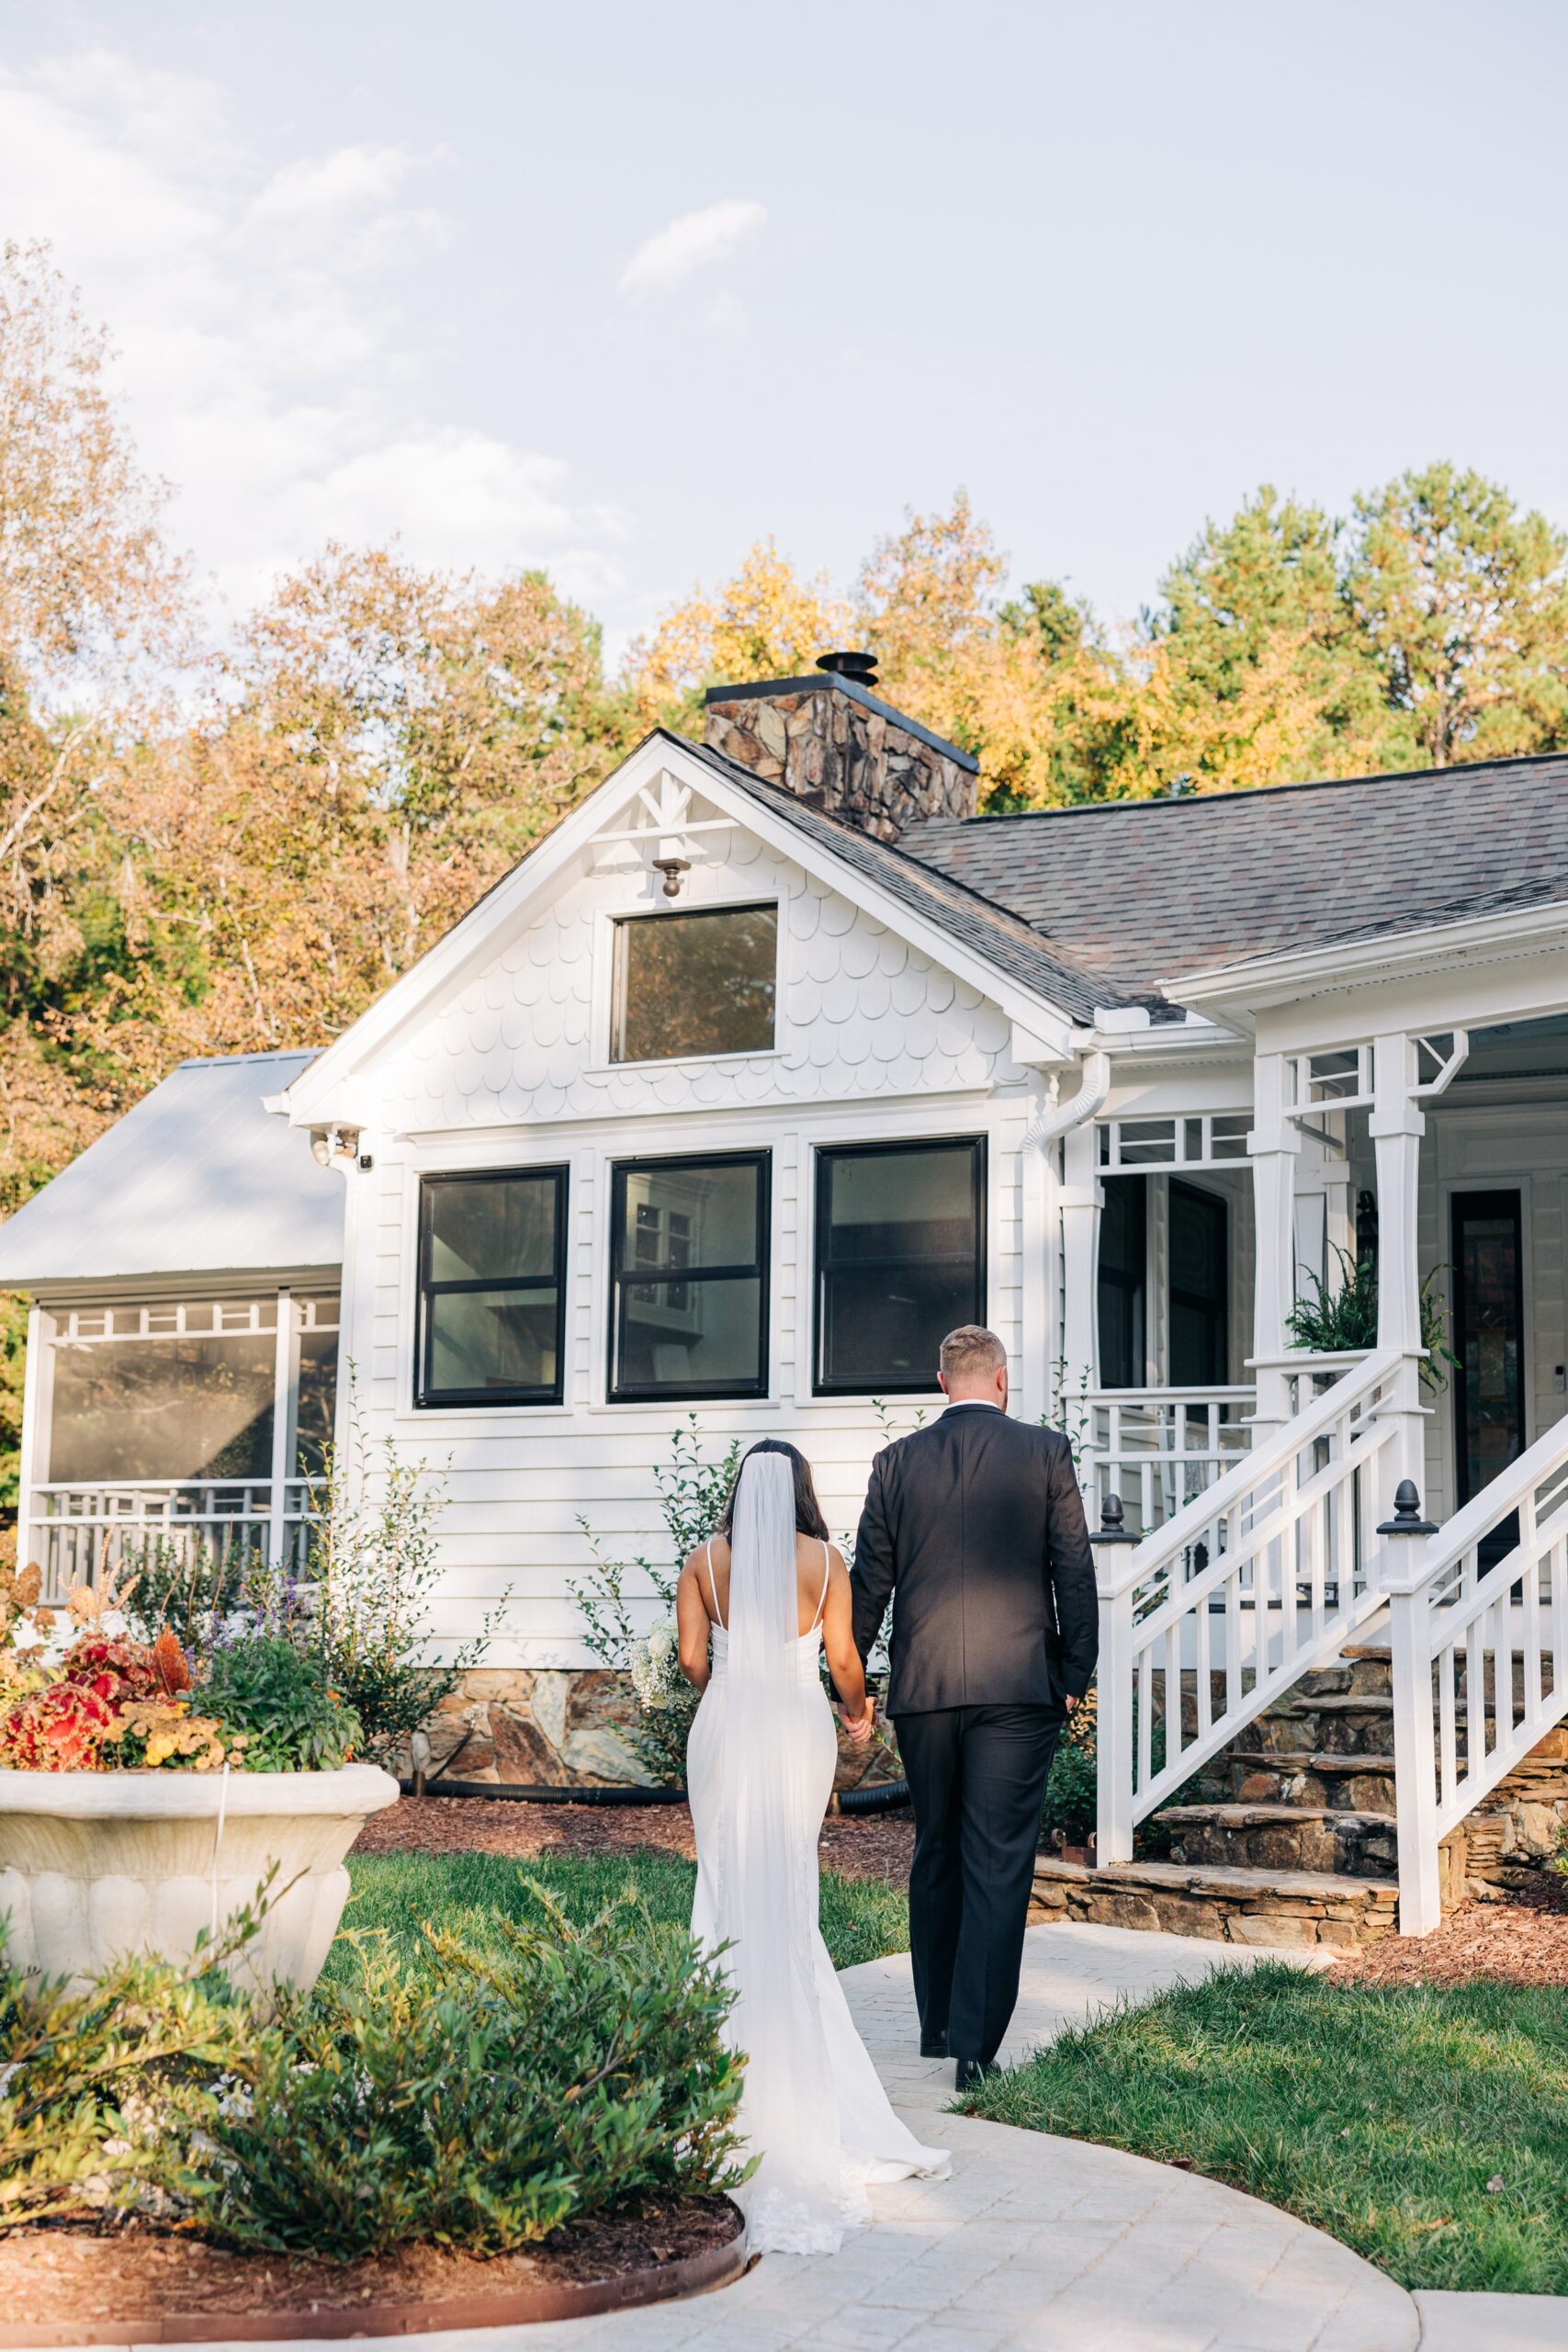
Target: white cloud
690	242
269	370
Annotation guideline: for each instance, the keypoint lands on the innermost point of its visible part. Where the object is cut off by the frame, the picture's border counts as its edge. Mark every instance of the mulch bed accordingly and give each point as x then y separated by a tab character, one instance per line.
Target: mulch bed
73	2286
855	1845
1522	1940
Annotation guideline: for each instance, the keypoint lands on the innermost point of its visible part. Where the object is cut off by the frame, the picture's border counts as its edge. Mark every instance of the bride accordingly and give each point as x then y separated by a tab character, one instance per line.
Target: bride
765	1594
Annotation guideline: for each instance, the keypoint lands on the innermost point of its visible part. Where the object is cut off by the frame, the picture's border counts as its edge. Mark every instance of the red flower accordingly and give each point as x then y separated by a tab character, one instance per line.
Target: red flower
61	1729
111	1666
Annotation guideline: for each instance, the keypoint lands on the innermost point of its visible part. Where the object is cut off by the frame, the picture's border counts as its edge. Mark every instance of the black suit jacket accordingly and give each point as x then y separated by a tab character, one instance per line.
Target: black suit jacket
974	1528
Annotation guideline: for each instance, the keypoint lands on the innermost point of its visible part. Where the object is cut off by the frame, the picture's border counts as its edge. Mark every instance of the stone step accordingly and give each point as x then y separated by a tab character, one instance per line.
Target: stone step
1219	1905
1362	1784
1274	1837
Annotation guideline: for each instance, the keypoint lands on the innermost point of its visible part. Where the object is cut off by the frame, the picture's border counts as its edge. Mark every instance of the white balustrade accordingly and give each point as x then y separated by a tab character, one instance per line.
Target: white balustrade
1476	1651
75	1532
1157	1448
1258	1578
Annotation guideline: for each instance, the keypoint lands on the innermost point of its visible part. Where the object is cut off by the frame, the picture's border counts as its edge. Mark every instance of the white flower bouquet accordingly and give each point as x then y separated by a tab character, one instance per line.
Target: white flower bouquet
656	1667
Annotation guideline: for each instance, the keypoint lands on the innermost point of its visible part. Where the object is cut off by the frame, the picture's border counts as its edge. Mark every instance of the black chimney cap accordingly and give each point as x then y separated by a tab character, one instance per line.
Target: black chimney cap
861	667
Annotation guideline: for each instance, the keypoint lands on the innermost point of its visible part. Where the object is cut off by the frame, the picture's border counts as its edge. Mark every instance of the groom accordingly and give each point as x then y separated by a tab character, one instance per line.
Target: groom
974	1528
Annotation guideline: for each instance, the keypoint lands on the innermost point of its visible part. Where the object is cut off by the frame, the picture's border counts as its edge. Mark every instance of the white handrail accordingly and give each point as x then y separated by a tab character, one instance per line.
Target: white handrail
1477	1682
1192	1519
1251	1585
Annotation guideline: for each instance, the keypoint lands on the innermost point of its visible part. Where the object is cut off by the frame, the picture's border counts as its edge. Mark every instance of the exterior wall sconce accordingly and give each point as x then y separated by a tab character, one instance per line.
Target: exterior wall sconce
672	868
334	1146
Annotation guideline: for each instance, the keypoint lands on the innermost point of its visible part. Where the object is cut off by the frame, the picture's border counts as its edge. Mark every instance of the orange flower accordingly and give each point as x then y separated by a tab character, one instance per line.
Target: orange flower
169	1660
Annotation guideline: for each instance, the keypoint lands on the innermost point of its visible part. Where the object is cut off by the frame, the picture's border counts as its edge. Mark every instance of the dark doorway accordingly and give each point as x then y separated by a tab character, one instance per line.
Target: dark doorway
1199	1288
1488	1340
1123	1278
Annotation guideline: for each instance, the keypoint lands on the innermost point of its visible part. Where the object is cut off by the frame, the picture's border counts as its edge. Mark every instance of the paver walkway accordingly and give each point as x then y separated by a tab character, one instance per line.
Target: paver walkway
1034	2241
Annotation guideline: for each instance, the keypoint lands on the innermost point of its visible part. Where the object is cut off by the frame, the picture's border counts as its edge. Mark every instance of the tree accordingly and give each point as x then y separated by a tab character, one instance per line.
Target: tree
1030	687
1462	603
764	623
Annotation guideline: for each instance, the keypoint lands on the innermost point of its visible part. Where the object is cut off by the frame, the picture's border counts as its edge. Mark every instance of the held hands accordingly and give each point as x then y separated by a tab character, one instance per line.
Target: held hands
859	1727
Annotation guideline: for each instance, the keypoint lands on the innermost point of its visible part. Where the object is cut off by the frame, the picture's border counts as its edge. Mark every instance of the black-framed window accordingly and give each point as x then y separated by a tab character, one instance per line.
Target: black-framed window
1199	1289
901	1260
1124	1282
689	1277
699	981
491	1288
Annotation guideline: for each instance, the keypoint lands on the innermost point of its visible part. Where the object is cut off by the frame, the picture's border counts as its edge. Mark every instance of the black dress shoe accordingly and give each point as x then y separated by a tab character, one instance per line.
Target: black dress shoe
968	2073
933	2045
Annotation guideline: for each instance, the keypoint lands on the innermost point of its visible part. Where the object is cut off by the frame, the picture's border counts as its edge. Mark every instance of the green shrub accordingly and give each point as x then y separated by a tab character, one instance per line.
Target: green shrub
278	1697
692	1496
1072	1793
104	2092
486	2096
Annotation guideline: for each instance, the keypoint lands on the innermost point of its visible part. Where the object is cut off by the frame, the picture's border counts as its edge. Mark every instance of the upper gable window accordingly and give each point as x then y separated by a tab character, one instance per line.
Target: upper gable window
697	983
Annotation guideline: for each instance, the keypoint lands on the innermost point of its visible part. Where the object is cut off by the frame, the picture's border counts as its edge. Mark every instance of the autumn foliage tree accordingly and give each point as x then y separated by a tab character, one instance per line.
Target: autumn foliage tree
214	847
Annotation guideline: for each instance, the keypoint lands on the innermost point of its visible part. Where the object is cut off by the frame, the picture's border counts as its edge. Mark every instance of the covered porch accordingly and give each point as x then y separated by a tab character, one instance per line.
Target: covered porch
182	1332
1396	1502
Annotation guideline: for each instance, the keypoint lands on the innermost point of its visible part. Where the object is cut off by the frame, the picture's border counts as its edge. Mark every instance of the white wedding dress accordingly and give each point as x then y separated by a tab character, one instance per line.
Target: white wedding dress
760	1770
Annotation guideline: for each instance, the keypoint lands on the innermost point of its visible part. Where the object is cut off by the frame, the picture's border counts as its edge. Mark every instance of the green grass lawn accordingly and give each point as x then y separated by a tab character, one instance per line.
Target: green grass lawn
1379	2113
861	1918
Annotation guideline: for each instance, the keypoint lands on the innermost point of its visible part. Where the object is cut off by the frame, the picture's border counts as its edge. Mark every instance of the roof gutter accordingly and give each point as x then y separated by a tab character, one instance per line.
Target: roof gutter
1053	1120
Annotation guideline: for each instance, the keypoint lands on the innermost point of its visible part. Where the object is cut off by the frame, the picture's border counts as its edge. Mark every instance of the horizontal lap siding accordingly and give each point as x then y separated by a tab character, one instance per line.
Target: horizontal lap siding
878	1043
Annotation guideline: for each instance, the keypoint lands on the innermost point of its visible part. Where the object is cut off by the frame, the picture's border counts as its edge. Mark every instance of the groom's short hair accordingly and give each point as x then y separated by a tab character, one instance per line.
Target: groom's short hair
969	1350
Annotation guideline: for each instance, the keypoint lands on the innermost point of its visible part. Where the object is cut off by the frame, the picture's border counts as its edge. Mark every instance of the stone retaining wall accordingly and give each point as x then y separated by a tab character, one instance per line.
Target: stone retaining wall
518	1727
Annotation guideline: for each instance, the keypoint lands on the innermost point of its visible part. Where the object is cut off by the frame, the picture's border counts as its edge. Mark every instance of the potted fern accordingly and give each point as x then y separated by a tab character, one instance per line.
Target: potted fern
1344	1321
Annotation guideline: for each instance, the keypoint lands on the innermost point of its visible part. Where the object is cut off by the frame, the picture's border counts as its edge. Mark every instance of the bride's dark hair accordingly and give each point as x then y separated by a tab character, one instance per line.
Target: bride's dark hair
808	1519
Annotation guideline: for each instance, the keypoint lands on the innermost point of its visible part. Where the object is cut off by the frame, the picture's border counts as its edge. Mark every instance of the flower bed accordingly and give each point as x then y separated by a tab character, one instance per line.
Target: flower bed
534	2125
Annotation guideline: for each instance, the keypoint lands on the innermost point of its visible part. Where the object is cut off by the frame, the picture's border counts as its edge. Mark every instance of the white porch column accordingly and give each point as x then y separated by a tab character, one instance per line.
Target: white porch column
1396	1126
284	1379
34	1467
1038	1191
1272	1144
1080	1200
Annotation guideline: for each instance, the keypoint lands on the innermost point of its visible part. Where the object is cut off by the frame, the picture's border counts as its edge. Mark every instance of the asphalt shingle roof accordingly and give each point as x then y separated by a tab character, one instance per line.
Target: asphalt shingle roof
1011	943
1142	890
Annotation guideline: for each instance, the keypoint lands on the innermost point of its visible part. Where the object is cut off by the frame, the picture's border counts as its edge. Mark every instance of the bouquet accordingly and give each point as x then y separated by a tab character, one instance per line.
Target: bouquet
656	1669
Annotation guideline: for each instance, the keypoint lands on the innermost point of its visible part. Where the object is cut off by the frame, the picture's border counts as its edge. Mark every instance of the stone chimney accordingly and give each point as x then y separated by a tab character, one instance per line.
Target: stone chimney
830	741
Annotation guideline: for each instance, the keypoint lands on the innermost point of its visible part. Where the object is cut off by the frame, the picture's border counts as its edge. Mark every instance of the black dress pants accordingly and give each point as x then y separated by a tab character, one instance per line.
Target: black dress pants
977	1777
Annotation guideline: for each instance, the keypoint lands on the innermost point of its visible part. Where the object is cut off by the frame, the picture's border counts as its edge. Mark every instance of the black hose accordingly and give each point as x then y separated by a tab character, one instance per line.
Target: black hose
883	1800
518	1792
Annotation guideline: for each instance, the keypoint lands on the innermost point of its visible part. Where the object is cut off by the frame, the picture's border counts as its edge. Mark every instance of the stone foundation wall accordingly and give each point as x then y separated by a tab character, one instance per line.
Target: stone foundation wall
521	1728
1517	1832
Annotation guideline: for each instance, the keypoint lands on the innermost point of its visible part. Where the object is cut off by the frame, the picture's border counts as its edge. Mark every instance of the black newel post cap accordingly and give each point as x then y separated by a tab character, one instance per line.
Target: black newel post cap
1407	1519
1111	1528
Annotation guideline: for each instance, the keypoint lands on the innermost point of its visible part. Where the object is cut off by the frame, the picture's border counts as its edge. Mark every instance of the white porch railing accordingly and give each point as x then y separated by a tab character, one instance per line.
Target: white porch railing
1157	1448
1476	1679
75	1532
1258	1579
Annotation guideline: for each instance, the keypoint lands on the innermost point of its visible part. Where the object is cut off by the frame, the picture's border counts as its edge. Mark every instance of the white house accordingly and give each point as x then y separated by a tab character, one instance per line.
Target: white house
773	1063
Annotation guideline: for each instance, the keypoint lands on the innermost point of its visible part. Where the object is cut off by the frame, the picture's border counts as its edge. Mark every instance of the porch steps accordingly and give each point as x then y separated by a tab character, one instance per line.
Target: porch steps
1288	1835
1219	1905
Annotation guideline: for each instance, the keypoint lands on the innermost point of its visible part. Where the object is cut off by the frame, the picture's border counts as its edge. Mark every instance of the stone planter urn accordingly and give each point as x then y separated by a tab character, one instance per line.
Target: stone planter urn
95	1866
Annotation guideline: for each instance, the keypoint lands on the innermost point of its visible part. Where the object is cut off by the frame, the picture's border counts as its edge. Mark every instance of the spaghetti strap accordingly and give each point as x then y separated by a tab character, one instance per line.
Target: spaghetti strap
713	1588
822	1596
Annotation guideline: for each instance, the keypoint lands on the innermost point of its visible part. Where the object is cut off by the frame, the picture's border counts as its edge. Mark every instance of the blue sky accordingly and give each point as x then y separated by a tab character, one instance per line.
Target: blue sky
619	289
